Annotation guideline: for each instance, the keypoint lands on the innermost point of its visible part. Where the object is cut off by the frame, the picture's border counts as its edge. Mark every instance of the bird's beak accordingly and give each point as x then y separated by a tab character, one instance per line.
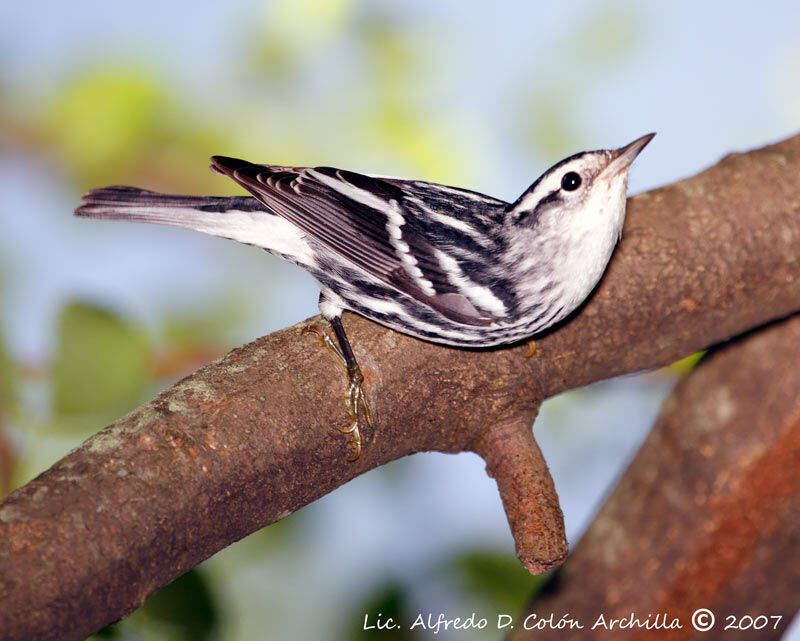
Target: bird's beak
622	158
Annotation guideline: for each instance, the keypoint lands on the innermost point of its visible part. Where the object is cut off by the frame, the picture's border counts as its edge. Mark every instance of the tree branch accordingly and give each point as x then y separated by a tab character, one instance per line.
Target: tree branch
529	497
252	437
706	515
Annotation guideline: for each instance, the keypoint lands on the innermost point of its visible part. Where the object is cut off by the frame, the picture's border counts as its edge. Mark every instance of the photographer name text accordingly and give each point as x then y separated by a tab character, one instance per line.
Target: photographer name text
702	620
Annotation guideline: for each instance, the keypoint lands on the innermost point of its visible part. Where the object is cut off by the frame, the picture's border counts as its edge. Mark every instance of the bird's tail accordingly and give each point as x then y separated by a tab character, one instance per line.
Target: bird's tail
240	218
140	205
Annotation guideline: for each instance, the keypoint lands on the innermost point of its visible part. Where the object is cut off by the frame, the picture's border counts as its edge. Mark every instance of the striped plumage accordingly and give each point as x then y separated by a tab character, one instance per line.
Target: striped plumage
440	263
444	264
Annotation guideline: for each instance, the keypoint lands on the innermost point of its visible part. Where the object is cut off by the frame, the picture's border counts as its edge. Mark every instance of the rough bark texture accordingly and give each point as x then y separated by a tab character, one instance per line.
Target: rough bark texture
529	497
252	437
707	514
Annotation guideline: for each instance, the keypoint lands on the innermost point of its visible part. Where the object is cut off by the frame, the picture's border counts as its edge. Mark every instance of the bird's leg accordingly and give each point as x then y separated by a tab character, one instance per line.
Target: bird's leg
355	395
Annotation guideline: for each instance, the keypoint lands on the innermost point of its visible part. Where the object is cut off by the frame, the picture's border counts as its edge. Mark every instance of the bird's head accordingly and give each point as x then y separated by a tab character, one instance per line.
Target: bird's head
581	193
562	231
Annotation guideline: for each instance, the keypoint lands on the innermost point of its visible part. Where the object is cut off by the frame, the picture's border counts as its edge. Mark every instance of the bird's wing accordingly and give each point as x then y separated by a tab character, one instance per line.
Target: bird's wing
375	224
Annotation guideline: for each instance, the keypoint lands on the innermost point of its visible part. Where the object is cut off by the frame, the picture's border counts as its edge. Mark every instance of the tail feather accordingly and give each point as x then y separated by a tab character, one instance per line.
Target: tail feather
141	205
240	218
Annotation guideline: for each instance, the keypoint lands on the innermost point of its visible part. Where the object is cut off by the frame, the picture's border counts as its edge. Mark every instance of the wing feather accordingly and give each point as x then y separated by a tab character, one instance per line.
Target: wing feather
365	220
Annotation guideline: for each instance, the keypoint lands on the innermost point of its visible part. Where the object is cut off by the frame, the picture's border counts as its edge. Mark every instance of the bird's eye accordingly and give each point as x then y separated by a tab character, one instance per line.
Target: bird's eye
571	181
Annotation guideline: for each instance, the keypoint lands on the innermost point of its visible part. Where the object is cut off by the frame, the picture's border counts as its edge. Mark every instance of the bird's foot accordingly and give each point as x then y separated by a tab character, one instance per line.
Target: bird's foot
355	397
531	348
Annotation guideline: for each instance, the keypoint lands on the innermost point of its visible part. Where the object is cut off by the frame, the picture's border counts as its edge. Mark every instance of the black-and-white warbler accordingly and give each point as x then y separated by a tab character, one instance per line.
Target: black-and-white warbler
443	264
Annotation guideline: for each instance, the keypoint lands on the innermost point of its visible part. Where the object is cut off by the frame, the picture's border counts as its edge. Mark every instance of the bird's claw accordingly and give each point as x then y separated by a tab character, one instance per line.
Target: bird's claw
355	397
326	341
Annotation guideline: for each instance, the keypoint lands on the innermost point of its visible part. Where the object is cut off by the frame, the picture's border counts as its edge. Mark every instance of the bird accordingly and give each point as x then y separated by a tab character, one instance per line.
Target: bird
440	263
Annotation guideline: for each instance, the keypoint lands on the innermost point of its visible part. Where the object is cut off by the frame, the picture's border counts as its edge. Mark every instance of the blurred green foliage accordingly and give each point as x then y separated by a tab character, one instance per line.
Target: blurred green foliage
101	362
609	34
290	31
205	324
109	123
547	129
184	610
186	605
399	117
104	118
686	364
496	580
487	580
389	601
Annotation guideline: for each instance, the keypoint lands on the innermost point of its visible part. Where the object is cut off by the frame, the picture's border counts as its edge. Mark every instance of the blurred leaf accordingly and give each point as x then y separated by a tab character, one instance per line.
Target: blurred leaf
686	364
550	128
118	124
101	361
212	324
399	120
594	49
609	35
293	30
108	632
276	538
497	580
184	610
389	602
307	23
393	60
103	118
186	605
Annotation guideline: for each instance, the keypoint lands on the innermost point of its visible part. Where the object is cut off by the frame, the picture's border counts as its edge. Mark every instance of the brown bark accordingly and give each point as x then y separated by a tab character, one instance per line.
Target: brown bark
515	461
707	514
252	437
